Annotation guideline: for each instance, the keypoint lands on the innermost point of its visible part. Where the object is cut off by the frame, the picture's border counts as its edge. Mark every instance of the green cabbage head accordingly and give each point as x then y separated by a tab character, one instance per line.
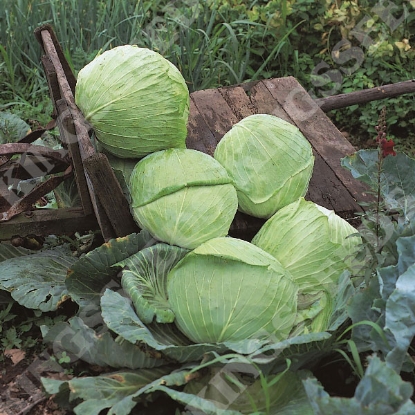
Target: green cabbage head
228	290
315	245
182	197
136	101
312	242
270	161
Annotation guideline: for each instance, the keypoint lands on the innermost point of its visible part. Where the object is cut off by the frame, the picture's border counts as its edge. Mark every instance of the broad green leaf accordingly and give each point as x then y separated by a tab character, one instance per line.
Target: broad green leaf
97	348
367	316
400	307
242	388
38	281
8	251
397	178
66	194
380	392
195	403
145	281
117	391
120	317
301	350
92	273
388	304
363	166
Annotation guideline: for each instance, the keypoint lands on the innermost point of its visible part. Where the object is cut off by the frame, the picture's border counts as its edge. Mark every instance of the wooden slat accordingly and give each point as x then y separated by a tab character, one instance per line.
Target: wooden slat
48	222
319	130
108	192
266	103
239	101
215	111
199	136
70	141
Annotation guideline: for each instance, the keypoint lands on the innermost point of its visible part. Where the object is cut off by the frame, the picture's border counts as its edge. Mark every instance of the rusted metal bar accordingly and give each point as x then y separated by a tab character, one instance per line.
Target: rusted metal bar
26	202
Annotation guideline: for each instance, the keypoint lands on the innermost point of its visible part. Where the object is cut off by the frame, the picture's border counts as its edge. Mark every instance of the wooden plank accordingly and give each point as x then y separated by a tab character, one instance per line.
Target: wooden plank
328	191
239	101
70	141
319	130
48	222
215	111
266	103
199	136
108	192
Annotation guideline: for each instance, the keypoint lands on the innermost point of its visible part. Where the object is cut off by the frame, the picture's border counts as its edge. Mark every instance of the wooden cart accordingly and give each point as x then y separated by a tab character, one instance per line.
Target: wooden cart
212	114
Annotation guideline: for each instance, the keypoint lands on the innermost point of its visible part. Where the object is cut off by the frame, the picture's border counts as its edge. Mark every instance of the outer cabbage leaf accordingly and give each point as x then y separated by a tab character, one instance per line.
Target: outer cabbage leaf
182	197
82	342
136	101
389	302
92	273
119	392
380	392
8	251
145	281
38	281
227	387
270	161
310	243
228	289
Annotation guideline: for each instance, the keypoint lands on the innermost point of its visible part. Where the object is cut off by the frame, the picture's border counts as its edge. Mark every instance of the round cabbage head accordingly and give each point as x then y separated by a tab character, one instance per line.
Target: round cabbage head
182	197
228	290
312	242
270	161
316	246
136	101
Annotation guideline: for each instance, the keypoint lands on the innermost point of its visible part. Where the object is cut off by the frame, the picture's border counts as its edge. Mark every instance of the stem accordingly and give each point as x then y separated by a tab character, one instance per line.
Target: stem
377	225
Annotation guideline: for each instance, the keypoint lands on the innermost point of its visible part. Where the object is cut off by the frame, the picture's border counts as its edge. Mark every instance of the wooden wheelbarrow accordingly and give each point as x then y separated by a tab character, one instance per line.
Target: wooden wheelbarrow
103	205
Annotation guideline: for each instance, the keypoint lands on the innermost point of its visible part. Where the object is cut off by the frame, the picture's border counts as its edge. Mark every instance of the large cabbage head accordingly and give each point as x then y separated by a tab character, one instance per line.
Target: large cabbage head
228	290
182	197
316	246
312	242
270	161
136	101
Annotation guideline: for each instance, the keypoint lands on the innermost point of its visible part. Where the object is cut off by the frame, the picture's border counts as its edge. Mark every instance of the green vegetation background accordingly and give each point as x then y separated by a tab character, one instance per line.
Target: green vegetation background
225	42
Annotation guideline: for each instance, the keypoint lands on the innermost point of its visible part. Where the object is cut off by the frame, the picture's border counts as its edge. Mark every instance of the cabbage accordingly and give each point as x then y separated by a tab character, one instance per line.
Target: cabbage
270	161
310	241
315	245
228	290
136	101
182	197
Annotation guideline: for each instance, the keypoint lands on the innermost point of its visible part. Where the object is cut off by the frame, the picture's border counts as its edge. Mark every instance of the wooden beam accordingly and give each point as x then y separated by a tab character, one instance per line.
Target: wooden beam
367	95
48	222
